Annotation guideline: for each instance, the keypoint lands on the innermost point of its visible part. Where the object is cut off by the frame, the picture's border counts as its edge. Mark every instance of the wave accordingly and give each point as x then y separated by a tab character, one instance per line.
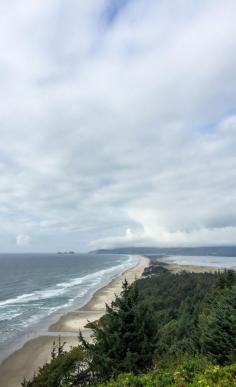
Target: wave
28	297
10	315
59	289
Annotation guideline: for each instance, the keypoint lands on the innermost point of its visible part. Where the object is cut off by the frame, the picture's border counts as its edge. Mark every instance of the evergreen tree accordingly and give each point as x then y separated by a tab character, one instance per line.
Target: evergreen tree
125	339
217	326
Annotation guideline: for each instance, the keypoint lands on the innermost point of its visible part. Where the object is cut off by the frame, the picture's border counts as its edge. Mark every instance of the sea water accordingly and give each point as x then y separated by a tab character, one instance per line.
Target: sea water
36	289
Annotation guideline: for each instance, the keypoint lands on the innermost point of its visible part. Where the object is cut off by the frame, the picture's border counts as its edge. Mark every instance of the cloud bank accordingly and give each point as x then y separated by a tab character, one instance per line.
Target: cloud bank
117	124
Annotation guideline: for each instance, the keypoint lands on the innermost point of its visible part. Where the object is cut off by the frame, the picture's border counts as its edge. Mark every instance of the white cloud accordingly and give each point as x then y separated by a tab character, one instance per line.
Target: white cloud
23	240
114	126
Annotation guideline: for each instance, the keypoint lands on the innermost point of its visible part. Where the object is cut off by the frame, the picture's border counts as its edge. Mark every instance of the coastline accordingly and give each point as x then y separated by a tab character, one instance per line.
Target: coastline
36	352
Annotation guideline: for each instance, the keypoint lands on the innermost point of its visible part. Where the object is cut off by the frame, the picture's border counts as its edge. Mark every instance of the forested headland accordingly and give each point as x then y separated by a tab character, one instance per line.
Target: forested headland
164	330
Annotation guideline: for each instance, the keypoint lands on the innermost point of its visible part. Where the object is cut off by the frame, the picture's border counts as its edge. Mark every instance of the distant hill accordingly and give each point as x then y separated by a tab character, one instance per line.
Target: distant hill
222	251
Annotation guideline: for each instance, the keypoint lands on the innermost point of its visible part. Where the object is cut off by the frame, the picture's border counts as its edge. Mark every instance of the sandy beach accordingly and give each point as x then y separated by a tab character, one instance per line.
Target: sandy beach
36	352
175	268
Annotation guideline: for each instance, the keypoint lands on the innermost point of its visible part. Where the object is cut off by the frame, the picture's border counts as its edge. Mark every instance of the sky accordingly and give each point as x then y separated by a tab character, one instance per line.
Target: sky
117	124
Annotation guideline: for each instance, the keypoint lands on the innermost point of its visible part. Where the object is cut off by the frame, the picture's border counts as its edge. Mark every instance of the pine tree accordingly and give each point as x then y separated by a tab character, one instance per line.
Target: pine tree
125	339
217	326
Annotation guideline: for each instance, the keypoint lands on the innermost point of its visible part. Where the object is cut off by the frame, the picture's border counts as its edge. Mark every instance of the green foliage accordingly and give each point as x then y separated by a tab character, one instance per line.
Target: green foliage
164	322
64	369
125	339
216	376
217	322
154	269
192	372
177	301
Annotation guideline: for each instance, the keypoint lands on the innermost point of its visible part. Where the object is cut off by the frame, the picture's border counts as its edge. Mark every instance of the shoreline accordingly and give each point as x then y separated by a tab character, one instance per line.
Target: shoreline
35	352
96	306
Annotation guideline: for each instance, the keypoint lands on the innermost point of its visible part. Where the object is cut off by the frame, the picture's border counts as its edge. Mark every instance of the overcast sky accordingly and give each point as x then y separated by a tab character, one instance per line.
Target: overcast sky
117	123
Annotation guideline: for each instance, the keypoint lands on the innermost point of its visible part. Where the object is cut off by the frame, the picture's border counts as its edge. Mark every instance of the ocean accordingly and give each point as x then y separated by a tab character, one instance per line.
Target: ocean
36	289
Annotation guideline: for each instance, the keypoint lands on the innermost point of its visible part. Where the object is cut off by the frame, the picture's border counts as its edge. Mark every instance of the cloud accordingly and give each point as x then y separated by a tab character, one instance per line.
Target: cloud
23	240
109	125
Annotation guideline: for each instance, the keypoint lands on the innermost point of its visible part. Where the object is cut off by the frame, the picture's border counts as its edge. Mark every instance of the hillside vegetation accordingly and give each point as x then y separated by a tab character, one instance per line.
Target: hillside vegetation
164	330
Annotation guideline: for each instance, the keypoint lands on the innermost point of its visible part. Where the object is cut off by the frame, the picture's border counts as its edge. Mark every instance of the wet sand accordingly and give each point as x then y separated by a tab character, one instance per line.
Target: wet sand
36	352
